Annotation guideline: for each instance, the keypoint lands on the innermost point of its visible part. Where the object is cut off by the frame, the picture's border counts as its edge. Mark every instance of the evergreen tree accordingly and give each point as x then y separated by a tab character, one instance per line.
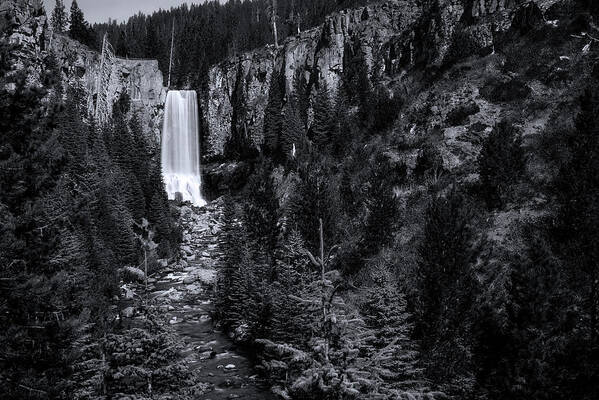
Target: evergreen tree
385	312
501	162
78	29
447	290
381	204
273	119
314	200
292	274
261	211
323	124
151	43
301	95
59	18
139	156
293	135
574	237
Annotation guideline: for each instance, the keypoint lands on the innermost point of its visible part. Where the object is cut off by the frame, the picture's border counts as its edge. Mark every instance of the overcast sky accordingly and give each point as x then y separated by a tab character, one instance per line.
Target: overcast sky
101	10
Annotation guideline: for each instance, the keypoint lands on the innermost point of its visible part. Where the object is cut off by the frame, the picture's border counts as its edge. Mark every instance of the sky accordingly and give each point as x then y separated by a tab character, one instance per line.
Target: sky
120	10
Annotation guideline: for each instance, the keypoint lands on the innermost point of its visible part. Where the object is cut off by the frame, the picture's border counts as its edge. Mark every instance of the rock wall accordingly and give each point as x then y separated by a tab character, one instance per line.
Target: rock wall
24	23
141	79
396	37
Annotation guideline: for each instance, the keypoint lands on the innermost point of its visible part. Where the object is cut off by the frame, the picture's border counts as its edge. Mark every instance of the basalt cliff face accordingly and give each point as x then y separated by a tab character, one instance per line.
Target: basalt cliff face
401	41
25	25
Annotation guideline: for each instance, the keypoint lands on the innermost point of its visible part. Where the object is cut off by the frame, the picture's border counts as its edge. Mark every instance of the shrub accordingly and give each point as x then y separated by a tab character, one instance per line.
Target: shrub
428	163
498	91
461	114
501	163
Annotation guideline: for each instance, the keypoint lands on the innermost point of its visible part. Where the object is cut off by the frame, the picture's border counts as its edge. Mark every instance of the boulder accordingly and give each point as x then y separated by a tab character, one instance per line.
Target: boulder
128	312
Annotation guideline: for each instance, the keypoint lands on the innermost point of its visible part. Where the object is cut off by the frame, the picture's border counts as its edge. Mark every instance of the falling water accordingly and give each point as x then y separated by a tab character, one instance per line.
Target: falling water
181	147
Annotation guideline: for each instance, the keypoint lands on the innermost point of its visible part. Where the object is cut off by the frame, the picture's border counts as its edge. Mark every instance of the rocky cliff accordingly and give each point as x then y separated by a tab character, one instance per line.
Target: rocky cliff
396	38
141	79
25	25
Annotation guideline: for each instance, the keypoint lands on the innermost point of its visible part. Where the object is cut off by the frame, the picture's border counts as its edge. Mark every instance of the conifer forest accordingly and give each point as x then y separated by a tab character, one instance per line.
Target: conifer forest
300	199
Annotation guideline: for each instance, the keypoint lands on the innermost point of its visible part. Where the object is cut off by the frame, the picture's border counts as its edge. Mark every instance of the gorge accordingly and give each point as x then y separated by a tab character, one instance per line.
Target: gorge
397	200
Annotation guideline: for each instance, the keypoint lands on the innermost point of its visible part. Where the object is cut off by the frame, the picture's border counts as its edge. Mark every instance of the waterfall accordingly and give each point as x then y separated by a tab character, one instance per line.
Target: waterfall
181	147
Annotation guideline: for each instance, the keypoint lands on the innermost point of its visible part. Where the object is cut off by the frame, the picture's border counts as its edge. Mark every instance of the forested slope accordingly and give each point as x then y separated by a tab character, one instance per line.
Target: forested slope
457	201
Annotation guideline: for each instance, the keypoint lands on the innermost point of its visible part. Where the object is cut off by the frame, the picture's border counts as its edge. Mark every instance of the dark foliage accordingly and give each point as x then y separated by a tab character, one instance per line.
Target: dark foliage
501	163
207	33
79	29
461	114
499	91
447	291
67	208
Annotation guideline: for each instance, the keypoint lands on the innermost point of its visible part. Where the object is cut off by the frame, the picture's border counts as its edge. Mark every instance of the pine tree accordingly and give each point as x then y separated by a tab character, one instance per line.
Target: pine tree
59	17
323	124
293	134
575	233
78	29
447	289
381	205
314	200
292	274
140	158
273	119
501	162
385	311
261	211
152	45
301	95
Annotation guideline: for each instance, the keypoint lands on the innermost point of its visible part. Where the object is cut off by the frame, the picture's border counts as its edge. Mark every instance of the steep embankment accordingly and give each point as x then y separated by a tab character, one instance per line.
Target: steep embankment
402	42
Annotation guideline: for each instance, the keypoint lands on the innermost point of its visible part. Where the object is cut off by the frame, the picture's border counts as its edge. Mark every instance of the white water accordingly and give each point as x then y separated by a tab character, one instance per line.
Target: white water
181	147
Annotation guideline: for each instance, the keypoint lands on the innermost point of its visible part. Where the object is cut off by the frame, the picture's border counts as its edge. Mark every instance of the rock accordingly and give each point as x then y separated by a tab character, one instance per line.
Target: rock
163	262
230	366
189	279
128	312
193	289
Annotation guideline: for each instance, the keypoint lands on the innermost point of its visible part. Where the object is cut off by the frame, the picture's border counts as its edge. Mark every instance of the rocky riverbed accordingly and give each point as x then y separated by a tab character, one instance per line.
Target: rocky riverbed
183	293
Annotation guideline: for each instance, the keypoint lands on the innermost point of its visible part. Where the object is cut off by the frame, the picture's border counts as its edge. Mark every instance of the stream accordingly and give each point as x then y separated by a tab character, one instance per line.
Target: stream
184	294
220	362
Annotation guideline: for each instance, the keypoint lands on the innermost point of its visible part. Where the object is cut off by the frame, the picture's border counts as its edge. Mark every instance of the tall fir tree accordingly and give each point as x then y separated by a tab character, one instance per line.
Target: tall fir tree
322	127
381	205
293	135
79	28
447	291
59	19
273	119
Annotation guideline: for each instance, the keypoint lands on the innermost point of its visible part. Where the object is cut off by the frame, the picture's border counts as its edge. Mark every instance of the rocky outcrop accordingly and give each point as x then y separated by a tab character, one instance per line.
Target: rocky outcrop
141	79
24	24
394	36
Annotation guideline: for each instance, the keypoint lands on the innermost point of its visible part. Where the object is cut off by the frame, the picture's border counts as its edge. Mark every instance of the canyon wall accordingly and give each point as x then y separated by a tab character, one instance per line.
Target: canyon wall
395	37
400	41
25	25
